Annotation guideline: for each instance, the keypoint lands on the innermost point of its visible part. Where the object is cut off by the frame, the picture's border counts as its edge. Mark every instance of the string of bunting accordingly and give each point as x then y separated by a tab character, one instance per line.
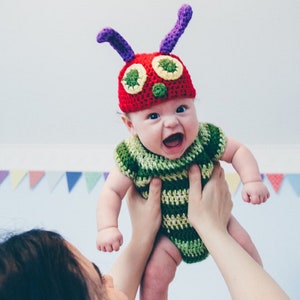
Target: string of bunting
92	178
53	178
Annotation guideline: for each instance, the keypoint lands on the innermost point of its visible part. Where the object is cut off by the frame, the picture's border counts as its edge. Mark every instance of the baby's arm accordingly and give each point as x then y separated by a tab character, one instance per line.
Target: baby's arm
245	164
109	238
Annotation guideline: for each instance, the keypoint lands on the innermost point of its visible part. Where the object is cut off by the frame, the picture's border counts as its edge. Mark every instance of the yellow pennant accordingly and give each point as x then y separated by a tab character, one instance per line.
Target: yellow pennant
233	180
16	177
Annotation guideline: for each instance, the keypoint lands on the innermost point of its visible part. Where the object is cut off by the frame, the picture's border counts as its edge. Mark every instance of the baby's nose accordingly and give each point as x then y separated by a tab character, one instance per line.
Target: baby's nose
171	121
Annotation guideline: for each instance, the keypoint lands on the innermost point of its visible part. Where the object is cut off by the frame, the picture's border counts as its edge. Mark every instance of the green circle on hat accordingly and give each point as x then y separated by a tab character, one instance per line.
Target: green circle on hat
159	90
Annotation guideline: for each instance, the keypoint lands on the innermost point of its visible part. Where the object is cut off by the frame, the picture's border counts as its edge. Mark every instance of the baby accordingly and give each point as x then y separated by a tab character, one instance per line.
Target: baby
156	96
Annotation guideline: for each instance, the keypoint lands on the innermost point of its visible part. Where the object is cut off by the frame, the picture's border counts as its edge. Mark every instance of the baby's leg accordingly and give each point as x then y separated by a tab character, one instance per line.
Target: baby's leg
160	270
236	230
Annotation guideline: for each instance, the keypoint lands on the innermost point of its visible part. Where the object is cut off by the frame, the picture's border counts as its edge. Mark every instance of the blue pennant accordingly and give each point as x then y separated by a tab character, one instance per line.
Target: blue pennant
72	178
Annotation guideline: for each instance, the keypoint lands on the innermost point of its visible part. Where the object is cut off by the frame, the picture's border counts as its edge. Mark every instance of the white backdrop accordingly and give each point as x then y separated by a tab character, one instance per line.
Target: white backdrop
58	86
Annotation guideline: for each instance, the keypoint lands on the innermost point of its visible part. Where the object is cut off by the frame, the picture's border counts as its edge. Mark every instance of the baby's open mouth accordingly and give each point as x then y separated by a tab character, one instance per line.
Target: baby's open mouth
173	140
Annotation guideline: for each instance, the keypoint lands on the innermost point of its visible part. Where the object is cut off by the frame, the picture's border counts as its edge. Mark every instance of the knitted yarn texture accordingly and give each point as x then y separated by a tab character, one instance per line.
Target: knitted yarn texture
148	79
151	79
141	165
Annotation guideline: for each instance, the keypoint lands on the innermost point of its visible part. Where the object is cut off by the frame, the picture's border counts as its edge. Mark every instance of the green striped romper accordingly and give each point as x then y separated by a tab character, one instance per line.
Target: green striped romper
140	165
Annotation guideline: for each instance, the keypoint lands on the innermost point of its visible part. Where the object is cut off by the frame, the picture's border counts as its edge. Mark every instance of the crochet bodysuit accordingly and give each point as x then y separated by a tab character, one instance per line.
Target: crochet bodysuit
140	165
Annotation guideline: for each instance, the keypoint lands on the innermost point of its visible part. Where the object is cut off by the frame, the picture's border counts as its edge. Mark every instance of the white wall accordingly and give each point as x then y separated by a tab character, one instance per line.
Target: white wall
58	86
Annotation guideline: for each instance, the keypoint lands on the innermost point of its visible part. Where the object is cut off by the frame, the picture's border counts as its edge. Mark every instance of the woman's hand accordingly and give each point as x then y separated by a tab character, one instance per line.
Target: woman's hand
145	215
211	207
208	212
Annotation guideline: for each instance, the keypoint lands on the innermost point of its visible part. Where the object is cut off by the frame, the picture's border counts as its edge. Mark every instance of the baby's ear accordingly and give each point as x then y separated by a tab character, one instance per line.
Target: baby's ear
128	123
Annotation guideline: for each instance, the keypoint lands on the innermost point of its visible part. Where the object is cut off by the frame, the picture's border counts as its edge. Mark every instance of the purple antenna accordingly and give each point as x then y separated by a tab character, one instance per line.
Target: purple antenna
117	42
184	16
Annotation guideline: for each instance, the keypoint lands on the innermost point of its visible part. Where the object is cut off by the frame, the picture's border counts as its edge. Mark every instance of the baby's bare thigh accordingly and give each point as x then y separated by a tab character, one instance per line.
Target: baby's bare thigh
239	233
165	251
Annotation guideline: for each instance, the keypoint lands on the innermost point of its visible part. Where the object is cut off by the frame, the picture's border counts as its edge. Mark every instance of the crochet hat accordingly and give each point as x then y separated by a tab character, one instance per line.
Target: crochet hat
148	79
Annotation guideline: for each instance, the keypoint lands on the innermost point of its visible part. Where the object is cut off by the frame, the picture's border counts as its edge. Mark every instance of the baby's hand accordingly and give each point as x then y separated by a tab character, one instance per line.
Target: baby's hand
109	239
255	192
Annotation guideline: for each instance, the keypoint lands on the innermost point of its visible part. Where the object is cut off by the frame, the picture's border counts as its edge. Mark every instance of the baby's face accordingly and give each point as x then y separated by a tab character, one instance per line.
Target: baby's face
166	129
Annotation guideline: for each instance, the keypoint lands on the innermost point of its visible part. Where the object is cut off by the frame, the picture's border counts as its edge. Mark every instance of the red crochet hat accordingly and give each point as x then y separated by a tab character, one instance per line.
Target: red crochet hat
150	79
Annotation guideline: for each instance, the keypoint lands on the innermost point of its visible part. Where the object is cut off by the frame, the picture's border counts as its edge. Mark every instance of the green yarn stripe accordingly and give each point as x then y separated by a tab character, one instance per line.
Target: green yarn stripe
192	250
140	165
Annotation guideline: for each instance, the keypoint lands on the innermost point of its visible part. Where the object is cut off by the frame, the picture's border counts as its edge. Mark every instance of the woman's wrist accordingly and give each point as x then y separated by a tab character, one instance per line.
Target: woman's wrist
143	238
211	232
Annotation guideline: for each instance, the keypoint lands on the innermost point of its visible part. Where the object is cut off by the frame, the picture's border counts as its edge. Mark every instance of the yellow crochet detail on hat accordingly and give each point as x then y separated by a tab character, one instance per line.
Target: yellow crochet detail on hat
134	78
167	67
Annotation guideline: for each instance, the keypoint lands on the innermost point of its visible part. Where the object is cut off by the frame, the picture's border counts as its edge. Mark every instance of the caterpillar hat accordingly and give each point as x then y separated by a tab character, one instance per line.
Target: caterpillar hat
148	79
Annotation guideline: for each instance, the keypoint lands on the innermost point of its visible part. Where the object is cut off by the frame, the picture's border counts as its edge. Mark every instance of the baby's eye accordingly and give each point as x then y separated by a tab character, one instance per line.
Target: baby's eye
181	108
153	116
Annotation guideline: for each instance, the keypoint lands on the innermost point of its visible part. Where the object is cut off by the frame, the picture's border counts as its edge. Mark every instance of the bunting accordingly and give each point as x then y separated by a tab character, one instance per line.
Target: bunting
92	179
294	180
16	177
105	175
35	177
233	180
3	175
276	181
72	178
53	179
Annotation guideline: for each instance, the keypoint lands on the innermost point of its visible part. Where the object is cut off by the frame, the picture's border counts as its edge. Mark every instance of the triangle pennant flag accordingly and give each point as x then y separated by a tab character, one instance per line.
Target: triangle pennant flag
3	175
233	180
105	175
53	179
16	177
72	178
35	177
91	179
275	180
294	180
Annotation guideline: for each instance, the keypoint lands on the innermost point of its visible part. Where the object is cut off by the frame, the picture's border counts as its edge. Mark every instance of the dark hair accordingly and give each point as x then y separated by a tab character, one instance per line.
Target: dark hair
37	264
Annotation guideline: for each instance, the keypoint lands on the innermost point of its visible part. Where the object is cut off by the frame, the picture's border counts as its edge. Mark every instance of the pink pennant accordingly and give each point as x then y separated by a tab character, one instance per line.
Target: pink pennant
275	180
35	177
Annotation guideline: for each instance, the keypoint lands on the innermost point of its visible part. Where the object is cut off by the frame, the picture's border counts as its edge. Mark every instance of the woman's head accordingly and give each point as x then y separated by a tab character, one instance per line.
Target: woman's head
40	264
